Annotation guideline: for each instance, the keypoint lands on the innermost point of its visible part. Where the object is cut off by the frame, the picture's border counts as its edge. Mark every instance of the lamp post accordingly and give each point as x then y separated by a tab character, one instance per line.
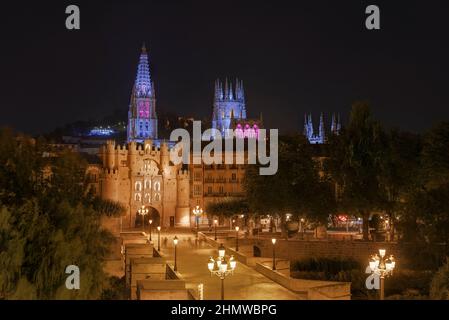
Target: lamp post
143	212
382	267
197	211
274	253
237	238
221	267
158	238
151	223
175	242
215	224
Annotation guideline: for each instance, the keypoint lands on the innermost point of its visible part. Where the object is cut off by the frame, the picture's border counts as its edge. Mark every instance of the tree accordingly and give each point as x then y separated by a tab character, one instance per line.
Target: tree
439	287
355	163
227	208
48	224
400	171
427	211
296	188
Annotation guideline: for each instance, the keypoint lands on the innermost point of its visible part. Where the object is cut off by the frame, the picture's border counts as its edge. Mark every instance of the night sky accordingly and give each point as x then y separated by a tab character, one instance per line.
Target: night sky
293	57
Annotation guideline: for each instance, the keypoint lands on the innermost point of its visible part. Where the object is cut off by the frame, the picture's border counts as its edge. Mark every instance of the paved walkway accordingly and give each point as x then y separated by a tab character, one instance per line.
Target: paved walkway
245	284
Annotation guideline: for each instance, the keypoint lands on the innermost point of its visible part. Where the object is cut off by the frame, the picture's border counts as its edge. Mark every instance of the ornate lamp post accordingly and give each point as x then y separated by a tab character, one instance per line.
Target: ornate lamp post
237	238
158	238
197	211
274	253
383	267
143	212
215	224
221	268
175	242
151	222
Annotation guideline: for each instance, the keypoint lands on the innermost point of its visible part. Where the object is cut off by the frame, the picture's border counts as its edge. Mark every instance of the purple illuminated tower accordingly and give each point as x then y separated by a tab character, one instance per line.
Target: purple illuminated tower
142	119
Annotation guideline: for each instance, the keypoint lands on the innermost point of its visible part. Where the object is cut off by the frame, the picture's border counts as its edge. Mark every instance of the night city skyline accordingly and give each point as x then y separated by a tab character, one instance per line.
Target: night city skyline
224	158
292	58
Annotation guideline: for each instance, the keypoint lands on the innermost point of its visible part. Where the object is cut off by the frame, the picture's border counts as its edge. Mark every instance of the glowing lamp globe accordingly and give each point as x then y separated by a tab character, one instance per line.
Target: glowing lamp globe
210	264
232	263
221	251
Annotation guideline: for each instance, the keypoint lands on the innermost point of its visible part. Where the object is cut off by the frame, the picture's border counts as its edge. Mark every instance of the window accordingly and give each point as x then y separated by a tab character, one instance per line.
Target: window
234	177
221	189
209	190
197	190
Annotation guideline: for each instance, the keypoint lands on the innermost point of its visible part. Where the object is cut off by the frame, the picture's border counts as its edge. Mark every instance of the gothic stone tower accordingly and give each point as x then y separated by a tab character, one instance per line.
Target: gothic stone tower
321	137
228	106
142	119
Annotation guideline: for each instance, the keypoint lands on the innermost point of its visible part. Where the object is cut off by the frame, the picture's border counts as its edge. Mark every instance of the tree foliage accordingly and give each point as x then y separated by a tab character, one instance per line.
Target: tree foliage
356	160
228	208
296	188
47	222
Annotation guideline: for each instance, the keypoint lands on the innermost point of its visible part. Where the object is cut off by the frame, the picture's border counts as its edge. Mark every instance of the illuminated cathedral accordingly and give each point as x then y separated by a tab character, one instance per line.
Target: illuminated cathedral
320	136
229	111
142	119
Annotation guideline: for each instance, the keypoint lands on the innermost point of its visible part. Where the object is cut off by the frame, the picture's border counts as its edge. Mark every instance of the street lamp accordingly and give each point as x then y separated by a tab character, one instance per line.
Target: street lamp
221	268
215	224
158	238
143	212
151	222
175	242
382	267
274	254
197	211
237	238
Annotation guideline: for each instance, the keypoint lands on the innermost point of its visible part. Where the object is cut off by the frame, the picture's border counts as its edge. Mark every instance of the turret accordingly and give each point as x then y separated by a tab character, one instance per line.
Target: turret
165	155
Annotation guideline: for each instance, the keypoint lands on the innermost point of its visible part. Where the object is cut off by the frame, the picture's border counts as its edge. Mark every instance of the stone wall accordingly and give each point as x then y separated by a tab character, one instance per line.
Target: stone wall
308	289
293	250
162	290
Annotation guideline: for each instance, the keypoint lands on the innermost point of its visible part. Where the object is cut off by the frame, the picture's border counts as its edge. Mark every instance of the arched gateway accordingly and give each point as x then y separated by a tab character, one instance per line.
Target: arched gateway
153	215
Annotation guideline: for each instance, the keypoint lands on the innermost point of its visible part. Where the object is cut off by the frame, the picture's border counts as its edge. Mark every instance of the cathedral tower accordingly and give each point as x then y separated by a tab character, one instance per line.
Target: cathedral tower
142	119
229	105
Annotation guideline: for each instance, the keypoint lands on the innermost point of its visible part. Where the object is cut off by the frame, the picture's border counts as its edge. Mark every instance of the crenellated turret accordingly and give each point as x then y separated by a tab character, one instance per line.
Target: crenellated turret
165	155
182	217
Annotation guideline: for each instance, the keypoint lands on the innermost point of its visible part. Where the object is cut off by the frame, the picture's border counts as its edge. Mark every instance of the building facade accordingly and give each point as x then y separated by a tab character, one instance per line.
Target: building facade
142	175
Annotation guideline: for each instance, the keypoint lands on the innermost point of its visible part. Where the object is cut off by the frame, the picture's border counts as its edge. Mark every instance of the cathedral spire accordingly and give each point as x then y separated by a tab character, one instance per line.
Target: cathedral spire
231	93
321	128
143	79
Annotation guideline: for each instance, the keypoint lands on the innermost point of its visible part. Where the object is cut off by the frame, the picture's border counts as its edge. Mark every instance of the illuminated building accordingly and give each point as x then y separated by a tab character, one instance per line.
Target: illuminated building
229	111
320	137
142	119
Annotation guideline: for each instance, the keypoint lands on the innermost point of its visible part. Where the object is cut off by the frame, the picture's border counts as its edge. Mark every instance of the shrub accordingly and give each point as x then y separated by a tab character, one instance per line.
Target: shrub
439	287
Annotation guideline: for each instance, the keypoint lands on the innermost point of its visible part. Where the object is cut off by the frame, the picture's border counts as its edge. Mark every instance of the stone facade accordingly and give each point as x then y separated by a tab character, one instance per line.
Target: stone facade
142	175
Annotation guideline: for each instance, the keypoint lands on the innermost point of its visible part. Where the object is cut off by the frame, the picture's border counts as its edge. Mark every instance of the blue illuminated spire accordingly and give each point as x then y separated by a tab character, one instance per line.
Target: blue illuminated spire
143	84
